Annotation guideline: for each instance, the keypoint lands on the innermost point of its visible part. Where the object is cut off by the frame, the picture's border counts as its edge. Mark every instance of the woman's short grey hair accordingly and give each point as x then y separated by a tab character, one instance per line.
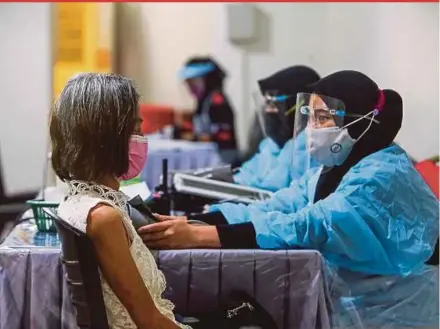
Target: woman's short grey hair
91	125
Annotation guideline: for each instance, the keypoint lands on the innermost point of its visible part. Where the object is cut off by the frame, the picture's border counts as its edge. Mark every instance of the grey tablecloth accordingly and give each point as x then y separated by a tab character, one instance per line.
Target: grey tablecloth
289	284
181	155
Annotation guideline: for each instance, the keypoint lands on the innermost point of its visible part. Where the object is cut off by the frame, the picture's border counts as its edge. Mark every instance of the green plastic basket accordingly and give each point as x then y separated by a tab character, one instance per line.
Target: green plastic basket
44	222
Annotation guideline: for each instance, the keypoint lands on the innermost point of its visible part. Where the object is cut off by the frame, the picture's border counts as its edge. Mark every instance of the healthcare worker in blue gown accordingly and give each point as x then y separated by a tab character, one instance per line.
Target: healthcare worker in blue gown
270	168
366	209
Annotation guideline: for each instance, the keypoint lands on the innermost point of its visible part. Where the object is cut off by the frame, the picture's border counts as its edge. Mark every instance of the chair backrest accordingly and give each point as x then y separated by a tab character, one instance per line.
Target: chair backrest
155	117
430	172
82	275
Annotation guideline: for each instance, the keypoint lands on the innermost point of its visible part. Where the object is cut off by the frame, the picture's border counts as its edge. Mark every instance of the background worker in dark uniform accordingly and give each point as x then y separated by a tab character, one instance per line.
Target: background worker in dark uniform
213	119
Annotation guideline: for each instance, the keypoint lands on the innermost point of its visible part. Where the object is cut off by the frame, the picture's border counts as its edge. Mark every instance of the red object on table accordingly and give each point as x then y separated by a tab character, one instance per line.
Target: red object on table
155	117
430	173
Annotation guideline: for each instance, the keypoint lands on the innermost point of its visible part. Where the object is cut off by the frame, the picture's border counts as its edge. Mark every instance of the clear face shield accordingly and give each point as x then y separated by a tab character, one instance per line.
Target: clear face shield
321	130
274	115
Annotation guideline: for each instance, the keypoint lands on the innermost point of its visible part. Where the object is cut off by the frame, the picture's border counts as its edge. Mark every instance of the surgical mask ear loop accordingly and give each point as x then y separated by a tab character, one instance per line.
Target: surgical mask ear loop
374	112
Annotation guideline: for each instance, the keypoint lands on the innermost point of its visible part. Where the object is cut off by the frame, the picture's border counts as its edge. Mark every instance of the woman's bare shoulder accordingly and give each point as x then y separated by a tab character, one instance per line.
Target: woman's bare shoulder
104	219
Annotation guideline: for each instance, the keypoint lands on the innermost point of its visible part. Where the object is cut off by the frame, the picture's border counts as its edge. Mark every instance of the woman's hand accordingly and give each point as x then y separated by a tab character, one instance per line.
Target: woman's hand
204	138
187	136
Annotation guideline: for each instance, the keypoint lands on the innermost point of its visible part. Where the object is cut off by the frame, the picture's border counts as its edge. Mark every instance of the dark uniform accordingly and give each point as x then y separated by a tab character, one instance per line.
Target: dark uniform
214	118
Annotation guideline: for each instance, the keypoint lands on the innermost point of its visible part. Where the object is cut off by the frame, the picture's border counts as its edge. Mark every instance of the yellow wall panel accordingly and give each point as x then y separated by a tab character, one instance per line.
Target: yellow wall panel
83	40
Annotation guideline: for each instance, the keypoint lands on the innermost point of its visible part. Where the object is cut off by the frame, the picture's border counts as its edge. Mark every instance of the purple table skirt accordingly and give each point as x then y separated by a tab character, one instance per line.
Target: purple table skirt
289	284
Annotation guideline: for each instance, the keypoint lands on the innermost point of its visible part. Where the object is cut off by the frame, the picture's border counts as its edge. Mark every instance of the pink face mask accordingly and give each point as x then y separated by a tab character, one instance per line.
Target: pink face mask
137	156
195	91
196	87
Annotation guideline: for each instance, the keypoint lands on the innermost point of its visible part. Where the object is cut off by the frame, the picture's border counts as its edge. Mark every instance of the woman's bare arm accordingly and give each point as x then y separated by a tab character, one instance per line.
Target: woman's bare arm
109	237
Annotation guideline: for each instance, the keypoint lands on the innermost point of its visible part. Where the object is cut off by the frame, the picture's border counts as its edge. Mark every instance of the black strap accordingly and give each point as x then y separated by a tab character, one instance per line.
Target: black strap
434	260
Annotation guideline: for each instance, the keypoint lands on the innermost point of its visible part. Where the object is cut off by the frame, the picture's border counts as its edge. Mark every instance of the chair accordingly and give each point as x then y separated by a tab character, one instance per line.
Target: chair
82	275
429	170
155	117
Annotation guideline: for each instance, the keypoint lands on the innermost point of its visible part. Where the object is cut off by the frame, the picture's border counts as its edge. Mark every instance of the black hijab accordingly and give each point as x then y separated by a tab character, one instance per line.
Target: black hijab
360	95
213	79
289	81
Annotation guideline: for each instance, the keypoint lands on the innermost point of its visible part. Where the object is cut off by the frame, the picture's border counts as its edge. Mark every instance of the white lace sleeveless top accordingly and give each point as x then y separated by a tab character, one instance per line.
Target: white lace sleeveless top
81	198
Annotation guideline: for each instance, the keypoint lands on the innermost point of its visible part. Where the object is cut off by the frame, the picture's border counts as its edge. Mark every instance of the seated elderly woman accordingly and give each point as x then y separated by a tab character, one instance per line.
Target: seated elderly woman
366	209
95	143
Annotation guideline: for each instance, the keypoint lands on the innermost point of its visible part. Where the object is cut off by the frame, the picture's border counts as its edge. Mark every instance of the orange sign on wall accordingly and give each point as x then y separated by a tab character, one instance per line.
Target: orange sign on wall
83	40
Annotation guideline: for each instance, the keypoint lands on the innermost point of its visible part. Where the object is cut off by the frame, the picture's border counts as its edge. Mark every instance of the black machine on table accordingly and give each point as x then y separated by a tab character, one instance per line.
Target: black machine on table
165	199
190	192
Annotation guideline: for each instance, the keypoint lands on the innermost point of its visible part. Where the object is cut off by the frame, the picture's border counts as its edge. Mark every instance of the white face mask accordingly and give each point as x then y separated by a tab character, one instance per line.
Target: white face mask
331	146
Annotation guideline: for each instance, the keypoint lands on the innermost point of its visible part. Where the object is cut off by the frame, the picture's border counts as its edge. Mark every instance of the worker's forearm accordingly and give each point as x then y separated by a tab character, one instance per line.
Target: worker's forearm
207	237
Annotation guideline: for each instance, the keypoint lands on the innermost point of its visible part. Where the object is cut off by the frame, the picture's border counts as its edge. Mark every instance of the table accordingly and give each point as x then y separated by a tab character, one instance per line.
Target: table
289	284
181	155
